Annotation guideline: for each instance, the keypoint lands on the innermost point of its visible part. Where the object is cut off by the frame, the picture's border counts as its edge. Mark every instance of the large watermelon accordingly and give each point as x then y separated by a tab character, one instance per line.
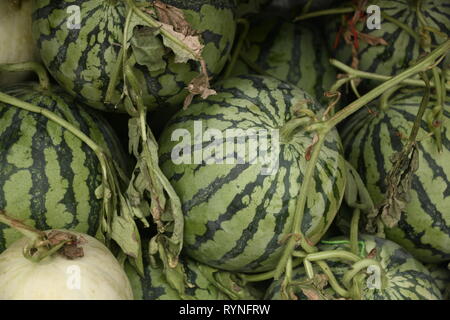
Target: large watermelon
402	277
83	58
402	48
294	53
48	177
237	214
424	227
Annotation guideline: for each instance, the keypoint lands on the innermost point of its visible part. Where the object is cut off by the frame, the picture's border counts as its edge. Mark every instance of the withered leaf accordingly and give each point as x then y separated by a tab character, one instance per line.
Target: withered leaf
71	249
321	281
173	16
399	180
188	42
72	252
372	254
311	294
372	40
198	86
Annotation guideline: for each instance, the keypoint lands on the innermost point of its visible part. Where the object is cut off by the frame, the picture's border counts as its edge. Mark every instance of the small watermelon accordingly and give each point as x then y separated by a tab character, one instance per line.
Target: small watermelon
48	176
238	212
424	227
293	53
83	58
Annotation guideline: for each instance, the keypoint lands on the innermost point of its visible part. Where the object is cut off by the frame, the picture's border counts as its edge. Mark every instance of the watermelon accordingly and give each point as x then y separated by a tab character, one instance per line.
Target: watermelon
294	53
83	58
48	177
402	277
424	227
238	206
402	48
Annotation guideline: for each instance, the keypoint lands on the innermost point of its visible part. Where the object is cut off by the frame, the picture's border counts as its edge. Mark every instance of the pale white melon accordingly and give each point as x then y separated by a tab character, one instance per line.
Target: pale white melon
95	276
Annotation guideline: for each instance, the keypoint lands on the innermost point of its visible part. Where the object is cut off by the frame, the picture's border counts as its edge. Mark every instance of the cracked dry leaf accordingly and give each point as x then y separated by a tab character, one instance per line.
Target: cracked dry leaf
185	42
372	254
372	40
198	86
173	16
312	294
399	181
189	42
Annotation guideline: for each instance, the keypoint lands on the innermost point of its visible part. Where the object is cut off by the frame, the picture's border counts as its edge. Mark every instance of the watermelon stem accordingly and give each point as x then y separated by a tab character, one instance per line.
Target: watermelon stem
354	230
265	275
29	66
291	127
51	116
333	254
356	268
326	12
401	25
299	212
422	108
39	247
355	73
421	65
438	110
237	51
384	99
29	232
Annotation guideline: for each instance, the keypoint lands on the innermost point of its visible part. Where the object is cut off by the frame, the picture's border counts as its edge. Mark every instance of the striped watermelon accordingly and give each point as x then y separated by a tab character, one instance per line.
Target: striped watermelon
48	177
402	47
424	229
294	53
83	59
402	276
237	214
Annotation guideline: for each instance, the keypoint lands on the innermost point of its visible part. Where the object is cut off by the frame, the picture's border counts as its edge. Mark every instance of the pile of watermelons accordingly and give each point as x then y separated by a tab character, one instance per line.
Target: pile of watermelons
229	149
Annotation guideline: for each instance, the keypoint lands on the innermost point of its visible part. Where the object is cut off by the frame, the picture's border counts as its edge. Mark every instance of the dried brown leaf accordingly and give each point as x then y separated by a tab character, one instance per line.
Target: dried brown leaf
372	40
372	254
311	294
199	86
399	180
190	42
173	16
